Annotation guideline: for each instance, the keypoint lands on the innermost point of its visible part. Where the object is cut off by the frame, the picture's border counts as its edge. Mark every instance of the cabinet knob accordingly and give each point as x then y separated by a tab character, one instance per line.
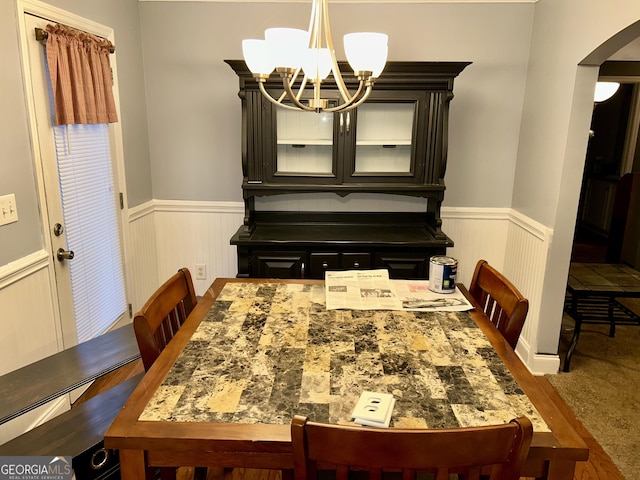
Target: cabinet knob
325	265
356	264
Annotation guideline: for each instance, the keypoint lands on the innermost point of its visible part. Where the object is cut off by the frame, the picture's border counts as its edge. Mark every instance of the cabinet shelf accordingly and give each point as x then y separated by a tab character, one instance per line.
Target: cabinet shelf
259	189
304	141
383	143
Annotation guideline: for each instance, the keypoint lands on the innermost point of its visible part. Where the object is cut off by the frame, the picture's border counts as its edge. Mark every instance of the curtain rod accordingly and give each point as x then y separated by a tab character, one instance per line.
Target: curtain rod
42	35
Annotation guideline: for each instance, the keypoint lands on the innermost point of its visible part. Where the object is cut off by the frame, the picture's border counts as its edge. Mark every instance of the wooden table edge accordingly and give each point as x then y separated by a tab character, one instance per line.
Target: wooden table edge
560	427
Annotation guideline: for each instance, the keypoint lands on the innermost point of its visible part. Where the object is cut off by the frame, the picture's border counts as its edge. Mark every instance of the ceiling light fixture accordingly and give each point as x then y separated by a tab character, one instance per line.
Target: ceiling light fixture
291	51
605	90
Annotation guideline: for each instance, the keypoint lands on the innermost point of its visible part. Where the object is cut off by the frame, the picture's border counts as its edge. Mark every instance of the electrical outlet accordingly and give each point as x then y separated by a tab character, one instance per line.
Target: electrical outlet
8	209
201	271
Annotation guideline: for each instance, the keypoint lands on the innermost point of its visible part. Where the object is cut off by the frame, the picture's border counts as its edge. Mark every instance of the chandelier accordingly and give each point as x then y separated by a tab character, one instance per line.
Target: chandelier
295	53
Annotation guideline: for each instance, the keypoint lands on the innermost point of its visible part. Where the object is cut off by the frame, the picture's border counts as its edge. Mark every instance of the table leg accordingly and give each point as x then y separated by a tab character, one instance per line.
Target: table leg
132	465
287	474
561	469
576	333
612	322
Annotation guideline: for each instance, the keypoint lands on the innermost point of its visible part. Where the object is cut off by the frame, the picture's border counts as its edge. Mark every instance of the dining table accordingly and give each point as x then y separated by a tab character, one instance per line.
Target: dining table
255	352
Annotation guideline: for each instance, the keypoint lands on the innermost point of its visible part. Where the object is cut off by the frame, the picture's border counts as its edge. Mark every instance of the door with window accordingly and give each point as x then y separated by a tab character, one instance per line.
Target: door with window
82	208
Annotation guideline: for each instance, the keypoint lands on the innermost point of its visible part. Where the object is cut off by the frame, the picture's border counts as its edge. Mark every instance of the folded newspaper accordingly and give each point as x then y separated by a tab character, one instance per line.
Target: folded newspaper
373	290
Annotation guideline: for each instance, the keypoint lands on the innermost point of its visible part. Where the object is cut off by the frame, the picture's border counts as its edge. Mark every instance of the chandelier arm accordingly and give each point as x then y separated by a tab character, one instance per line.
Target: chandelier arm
314	25
303	85
353	99
274	101
337	75
362	100
292	96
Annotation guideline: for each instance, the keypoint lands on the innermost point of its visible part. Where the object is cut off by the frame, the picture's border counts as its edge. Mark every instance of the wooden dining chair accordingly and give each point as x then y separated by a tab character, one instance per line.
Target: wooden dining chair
500	300
156	324
163	314
497	450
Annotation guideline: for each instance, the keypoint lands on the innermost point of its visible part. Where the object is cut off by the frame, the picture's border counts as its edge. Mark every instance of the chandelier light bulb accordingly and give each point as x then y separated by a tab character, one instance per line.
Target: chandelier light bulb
287	46
317	63
366	51
256	55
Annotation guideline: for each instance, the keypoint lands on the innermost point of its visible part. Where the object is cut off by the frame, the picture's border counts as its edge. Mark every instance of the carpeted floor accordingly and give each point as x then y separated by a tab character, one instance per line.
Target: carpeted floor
603	389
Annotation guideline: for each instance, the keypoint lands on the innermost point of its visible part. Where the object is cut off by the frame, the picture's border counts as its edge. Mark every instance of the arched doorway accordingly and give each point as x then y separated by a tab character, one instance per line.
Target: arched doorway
587	74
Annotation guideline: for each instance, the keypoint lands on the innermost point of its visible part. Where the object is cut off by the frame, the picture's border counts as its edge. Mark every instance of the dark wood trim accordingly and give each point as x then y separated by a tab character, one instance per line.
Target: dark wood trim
620	68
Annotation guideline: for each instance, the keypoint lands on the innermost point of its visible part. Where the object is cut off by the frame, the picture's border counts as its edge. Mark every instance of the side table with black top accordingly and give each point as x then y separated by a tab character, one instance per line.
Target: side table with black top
78	432
593	290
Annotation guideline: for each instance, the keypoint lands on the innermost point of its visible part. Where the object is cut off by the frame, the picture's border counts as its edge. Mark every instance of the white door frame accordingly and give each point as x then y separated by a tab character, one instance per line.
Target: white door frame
40	9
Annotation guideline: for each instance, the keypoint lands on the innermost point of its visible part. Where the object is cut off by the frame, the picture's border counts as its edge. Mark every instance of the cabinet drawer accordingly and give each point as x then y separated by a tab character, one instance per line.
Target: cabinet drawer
355	261
320	262
278	264
405	265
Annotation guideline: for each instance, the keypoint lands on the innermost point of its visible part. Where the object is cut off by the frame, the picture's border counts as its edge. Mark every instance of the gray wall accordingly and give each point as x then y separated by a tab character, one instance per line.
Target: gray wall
17	172
124	17
570	39
518	121
16	165
194	110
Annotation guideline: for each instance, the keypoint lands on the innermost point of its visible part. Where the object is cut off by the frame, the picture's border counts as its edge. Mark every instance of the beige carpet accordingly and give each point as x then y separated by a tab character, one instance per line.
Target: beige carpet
603	389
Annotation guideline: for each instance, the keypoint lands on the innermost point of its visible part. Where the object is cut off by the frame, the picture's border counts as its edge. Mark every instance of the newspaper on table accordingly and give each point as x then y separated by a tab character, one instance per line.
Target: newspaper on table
415	295
373	290
360	290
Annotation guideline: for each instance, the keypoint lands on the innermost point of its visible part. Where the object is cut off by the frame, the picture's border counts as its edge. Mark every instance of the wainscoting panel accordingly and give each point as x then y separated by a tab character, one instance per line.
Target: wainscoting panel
526	254
30	329
29	321
141	255
477	233
193	233
515	245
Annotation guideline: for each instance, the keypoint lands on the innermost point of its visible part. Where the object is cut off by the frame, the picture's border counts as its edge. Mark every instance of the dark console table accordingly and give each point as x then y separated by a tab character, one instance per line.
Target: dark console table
40	382
592	296
78	432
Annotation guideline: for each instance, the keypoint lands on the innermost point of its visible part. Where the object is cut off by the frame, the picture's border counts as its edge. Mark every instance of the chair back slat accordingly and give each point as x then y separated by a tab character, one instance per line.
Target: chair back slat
500	300
462	451
162	316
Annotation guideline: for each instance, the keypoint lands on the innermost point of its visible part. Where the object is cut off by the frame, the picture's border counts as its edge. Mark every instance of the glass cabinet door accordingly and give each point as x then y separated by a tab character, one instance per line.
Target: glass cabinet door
384	137
304	143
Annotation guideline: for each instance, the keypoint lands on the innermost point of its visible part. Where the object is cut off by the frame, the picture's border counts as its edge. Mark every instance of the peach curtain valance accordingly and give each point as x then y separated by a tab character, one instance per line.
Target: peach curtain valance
80	75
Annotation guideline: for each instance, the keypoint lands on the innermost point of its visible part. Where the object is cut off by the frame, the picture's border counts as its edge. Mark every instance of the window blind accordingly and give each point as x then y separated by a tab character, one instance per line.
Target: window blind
91	226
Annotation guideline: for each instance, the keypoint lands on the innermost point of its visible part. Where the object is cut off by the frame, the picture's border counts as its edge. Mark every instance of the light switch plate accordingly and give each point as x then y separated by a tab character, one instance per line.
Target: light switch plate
373	409
8	209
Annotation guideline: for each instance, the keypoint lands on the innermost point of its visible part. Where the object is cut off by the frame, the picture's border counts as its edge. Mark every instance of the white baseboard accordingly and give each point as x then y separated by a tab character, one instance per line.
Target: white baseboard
537	363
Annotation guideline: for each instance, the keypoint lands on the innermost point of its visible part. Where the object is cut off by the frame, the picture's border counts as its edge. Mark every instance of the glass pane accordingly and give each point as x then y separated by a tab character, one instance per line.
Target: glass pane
377	158
305	142
383	138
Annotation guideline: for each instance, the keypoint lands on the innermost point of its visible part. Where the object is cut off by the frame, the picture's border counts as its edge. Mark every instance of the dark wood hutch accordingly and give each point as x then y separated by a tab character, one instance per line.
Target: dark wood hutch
395	143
